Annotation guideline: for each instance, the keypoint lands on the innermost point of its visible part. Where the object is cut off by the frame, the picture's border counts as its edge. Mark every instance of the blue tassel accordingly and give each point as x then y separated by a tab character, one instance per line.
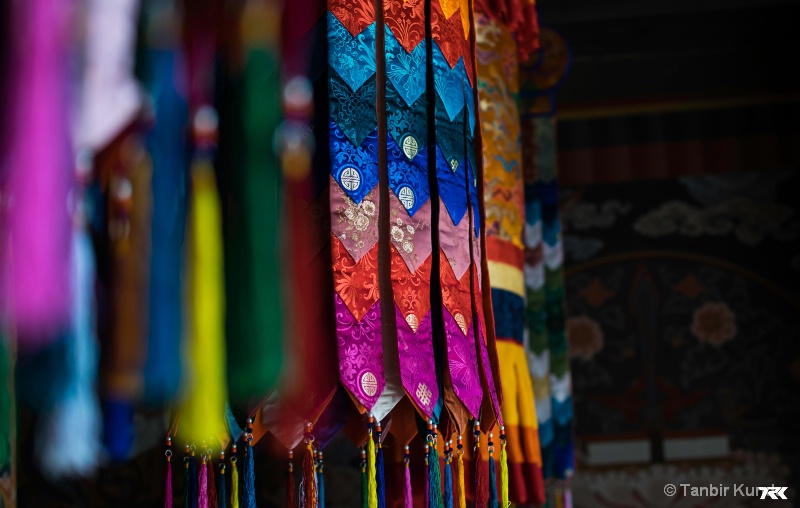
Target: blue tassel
434	478
222	489
492	484
380	479
249	479
320	487
448	485
192	483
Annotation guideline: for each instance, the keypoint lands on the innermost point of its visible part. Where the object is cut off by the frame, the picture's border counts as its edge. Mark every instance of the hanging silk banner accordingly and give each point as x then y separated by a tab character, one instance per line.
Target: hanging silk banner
498	74
546	340
354	198
452	98
409	198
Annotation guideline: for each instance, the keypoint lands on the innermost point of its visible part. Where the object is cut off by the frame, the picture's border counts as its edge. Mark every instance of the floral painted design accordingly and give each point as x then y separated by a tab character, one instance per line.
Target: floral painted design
585	337
714	323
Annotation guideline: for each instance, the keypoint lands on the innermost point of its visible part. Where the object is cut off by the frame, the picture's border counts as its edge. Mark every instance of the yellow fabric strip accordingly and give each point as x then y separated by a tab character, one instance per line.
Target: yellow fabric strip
507	277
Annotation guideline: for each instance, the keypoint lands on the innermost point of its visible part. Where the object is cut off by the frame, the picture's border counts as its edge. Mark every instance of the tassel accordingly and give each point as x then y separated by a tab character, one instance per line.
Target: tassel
250	477
434	479
492	475
559	501
481	477
427	478
364	480
192	482
309	480
492	484
202	493
448	479
409	499
212	484
462	491
291	501
503	470
567	498
168	486
320	482
372	488
187	489
234	481
379	471
222	494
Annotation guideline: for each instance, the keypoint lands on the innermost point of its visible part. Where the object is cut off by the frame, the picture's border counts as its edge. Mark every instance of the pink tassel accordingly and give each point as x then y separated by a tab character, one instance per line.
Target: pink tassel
40	173
202	494
409	500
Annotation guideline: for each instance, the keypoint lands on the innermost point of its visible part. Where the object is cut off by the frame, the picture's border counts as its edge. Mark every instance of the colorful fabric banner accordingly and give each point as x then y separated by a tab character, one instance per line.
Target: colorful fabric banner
498	75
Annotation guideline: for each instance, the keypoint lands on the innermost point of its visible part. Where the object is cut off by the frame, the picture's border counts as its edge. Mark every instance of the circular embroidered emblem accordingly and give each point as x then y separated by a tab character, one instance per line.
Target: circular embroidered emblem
406	196
424	394
369	383
410	146
412	321
453	164
462	323
350	179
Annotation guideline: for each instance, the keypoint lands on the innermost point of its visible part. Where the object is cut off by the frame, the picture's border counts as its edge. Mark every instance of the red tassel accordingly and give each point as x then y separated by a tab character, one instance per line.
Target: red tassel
212	484
291	502
168	490
481	477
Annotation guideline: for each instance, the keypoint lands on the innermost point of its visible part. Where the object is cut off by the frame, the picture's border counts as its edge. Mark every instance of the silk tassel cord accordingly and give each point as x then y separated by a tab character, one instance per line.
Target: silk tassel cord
461	491
222	490
234	480
168	487
364	480
504	501
380	478
291	499
320	481
212	483
408	501
186	487
492	476
202	491
309	479
372	487
481	487
250	474
434	479
191	496
448	477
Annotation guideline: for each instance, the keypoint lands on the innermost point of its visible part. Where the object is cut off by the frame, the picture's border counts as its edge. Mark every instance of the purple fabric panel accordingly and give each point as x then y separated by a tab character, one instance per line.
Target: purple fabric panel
360	352
417	366
463	364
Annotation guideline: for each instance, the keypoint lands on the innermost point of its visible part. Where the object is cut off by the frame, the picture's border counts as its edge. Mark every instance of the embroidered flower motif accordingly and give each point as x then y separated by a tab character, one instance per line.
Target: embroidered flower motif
361	222
397	234
714	323
350	213
368	207
410	229
408	246
585	337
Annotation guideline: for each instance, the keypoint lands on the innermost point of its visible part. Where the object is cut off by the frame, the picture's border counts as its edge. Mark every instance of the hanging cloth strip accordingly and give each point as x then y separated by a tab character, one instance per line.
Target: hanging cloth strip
404	130
254	207
167	147
450	52
498	70
35	277
547	344
354	198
